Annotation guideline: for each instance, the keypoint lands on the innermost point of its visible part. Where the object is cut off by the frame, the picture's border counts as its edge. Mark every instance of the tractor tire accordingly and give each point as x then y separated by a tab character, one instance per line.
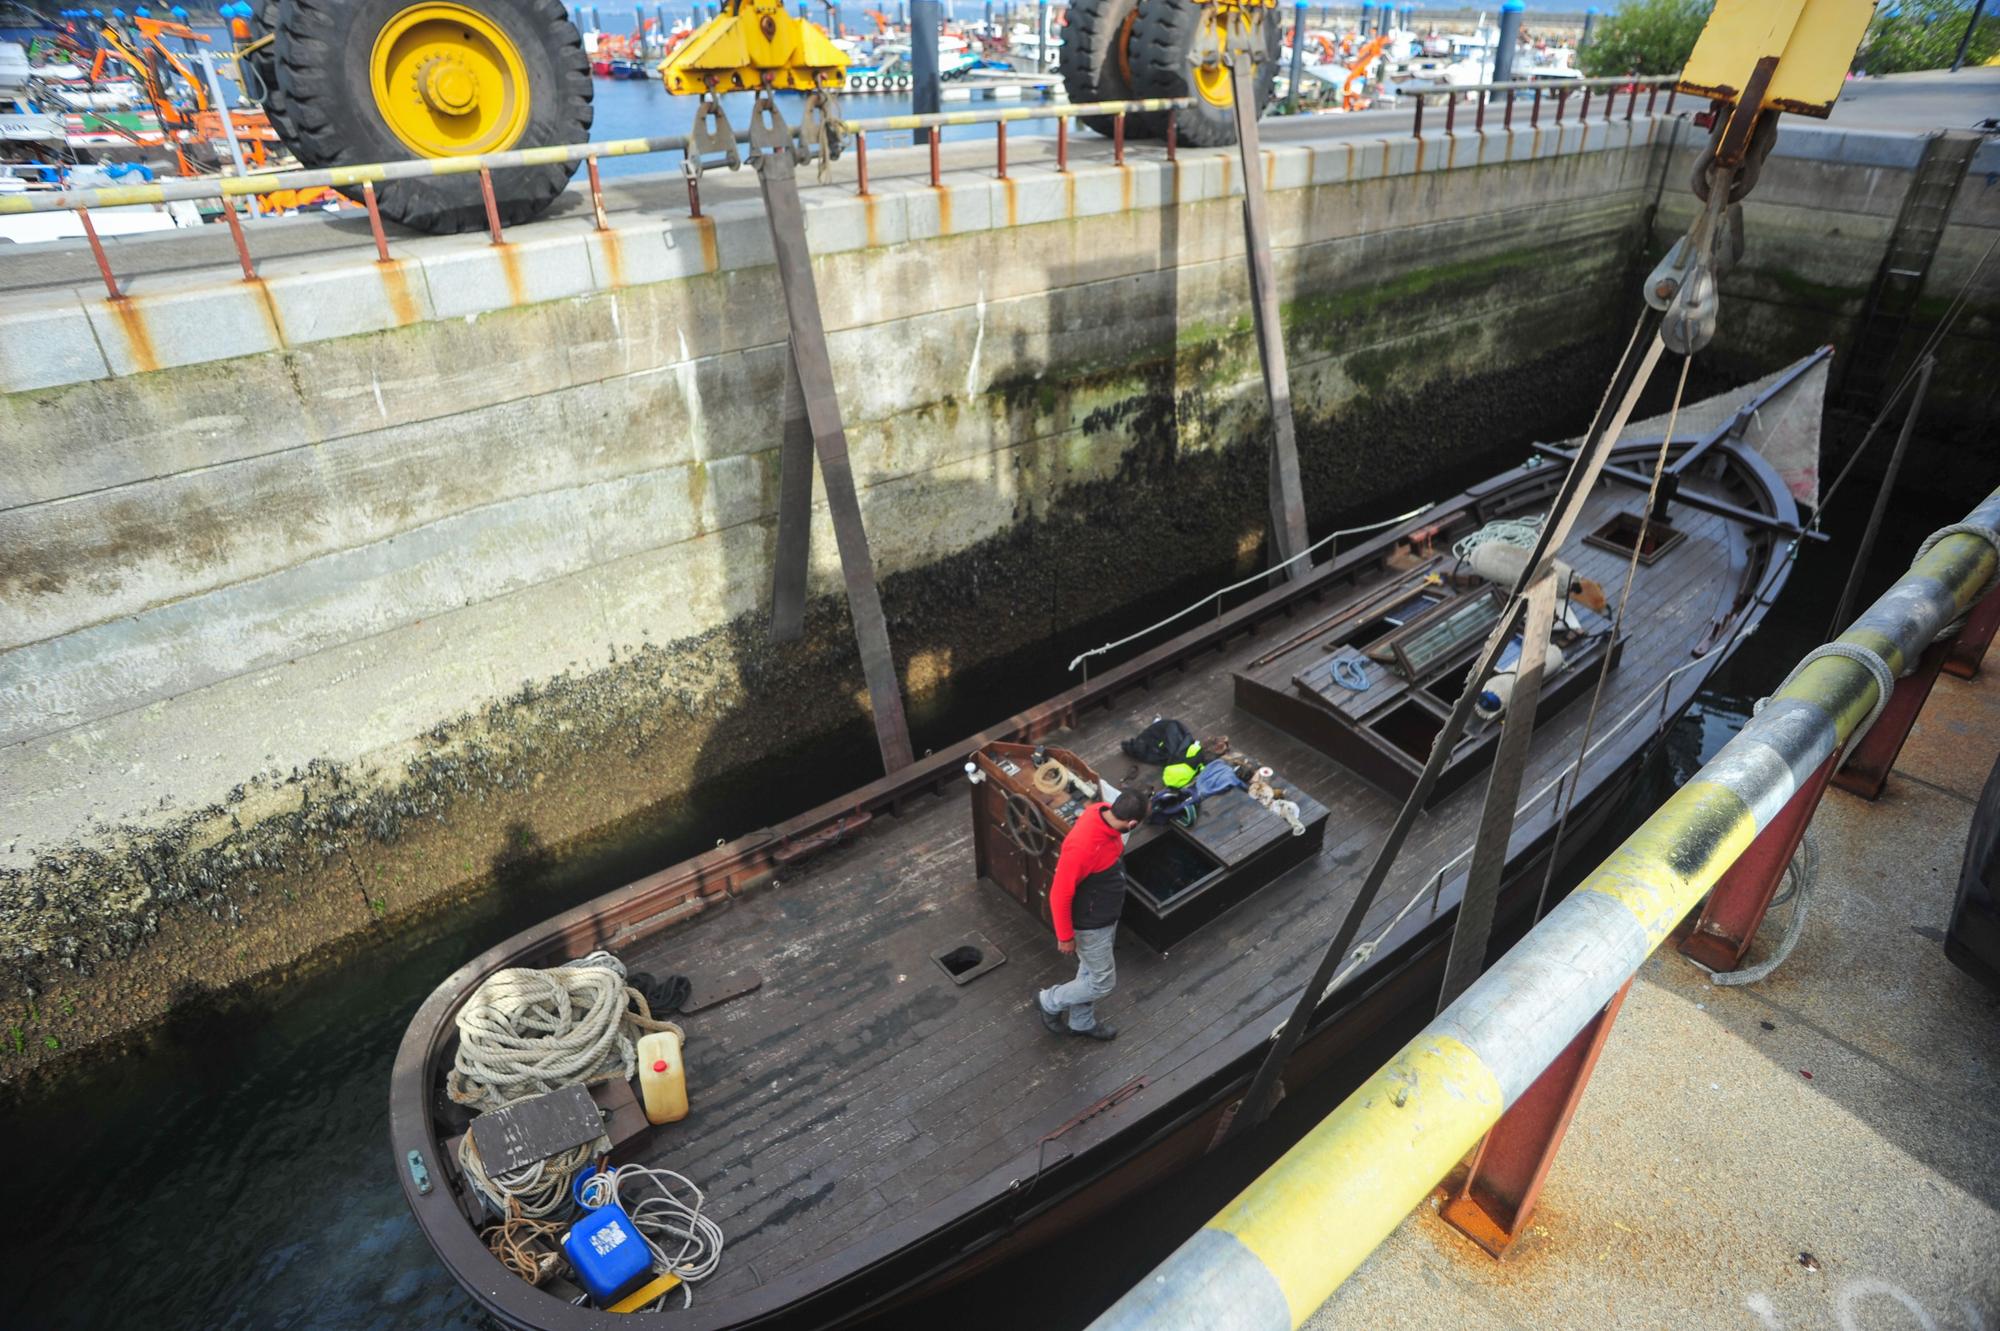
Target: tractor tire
263	64
1162	39
1092	63
325	66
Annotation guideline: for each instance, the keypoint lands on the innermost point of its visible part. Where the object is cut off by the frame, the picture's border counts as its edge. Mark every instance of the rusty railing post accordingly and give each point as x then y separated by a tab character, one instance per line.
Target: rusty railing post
1583	113
1632	102
1652	96
861	162
1173	135
1118	139
1562	103
937	167
1451	116
242	246
1866	770
1535	111
1673	91
1417	128
1507	117
375	220
1736	904
1495	1201
597	194
1062	144
1000	150
1969	647
97	252
492	204
1479	114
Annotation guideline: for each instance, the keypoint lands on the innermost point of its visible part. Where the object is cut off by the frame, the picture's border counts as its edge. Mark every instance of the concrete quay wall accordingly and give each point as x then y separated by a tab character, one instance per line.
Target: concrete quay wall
327	597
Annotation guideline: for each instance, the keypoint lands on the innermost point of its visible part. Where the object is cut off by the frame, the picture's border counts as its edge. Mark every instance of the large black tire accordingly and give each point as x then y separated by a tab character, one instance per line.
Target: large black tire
263	63
1092	62
323	50
1162	38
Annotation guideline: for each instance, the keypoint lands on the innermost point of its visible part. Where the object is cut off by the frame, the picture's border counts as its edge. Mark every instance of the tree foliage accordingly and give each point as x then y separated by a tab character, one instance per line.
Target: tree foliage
1924	34
1644	36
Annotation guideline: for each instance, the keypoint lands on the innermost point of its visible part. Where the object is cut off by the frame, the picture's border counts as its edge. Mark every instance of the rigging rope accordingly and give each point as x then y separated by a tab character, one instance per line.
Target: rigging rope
667	1210
1306	553
527	1032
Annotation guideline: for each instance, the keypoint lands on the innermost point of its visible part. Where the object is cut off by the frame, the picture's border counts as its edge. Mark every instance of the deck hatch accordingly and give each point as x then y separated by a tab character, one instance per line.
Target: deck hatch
966	961
1621	533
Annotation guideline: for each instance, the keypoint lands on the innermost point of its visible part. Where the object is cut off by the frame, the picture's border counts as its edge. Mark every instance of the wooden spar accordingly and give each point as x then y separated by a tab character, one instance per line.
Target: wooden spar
1288	509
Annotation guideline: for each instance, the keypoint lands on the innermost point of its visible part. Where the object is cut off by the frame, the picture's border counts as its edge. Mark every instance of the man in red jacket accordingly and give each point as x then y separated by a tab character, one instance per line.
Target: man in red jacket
1085	900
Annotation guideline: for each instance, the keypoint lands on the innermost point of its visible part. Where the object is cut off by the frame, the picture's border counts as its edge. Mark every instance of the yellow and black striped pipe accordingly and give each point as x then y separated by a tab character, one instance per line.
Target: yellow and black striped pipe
1275	1253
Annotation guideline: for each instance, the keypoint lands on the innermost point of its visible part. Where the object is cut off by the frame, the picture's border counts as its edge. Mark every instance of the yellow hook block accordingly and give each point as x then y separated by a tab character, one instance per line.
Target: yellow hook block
755	44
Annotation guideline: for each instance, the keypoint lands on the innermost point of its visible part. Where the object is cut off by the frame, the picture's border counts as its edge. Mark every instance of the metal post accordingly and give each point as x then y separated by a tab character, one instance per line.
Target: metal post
1507	116
1287	495
1968	649
1118	139
1589	22
228	126
1882	493
861	161
375	220
925	99
1298	56
1562	103
814	369
1000	154
1535	110
1736	905
937	163
492	204
97	253
1173	135
1062	145
1041	36
1451	115
1510	37
1866	767
1474	928
1496	1199
1971	26
242	246
1417	125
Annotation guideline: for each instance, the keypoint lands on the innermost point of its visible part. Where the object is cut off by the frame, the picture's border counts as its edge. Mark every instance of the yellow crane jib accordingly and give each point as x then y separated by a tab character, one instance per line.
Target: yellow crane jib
1808	45
755	44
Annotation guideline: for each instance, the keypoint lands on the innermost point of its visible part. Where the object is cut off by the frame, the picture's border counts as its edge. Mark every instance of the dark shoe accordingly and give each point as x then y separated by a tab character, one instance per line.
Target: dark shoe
1098	1032
1052	1020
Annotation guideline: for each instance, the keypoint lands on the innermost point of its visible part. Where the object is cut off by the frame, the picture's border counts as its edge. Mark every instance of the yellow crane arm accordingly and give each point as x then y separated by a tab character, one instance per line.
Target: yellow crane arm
755	44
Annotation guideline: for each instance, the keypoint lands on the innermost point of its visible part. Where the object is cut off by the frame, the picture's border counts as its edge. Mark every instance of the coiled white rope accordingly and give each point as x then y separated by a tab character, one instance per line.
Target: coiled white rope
667	1209
528	1032
537	1189
1508	531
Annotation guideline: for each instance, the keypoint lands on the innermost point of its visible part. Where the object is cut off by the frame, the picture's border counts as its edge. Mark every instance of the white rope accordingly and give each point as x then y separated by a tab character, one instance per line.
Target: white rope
528	1032
1803	870
1987	534
667	1209
1253	578
1885	680
540	1188
1523	532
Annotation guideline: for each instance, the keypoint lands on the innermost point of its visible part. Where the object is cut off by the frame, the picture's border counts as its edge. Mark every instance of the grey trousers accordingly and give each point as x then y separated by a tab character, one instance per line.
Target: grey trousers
1096	974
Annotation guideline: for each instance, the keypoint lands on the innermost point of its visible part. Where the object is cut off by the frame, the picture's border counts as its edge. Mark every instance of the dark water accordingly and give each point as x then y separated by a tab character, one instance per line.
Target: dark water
235	1173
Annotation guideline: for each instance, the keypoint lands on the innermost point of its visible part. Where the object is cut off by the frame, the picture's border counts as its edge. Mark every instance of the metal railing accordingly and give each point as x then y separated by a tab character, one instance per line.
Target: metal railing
368	175
1277	1252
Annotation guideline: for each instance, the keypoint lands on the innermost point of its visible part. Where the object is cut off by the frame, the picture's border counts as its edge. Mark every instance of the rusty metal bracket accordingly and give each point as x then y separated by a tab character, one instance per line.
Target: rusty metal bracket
1494	1202
1969	647
1736	904
777	177
1288	510
1866	769
711	133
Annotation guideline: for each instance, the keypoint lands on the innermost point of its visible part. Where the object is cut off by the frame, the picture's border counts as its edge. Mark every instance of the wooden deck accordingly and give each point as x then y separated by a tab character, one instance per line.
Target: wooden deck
859	1083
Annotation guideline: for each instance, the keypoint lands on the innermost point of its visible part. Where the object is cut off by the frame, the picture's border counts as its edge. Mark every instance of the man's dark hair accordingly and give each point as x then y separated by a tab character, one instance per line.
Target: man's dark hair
1130	806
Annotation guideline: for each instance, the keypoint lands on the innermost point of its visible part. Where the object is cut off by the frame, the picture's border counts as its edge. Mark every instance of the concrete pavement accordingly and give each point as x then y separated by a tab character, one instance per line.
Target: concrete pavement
1813	1151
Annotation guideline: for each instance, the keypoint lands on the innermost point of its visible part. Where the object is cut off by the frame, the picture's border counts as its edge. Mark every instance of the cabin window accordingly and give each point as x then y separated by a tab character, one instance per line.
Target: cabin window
1393	618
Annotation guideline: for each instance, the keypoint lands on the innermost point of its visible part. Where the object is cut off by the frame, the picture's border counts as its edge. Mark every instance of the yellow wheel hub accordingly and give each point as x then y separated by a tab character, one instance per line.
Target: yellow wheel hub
449	82
1211	73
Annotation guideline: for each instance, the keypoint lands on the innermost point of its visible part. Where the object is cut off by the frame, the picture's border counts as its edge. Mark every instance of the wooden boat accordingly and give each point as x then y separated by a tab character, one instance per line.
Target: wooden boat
885	1114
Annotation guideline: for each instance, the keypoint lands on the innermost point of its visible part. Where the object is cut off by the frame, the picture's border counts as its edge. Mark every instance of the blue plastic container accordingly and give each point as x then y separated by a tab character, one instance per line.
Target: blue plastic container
610	1256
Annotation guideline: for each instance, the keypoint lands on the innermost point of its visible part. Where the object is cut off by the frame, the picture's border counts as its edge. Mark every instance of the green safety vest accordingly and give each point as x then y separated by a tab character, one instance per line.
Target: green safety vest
1176	775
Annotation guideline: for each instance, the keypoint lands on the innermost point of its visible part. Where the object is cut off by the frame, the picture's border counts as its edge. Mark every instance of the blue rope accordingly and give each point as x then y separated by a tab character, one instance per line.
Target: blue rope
1350	674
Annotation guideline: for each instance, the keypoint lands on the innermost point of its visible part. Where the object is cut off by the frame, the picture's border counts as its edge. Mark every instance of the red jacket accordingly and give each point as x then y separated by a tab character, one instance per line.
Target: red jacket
1092	846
